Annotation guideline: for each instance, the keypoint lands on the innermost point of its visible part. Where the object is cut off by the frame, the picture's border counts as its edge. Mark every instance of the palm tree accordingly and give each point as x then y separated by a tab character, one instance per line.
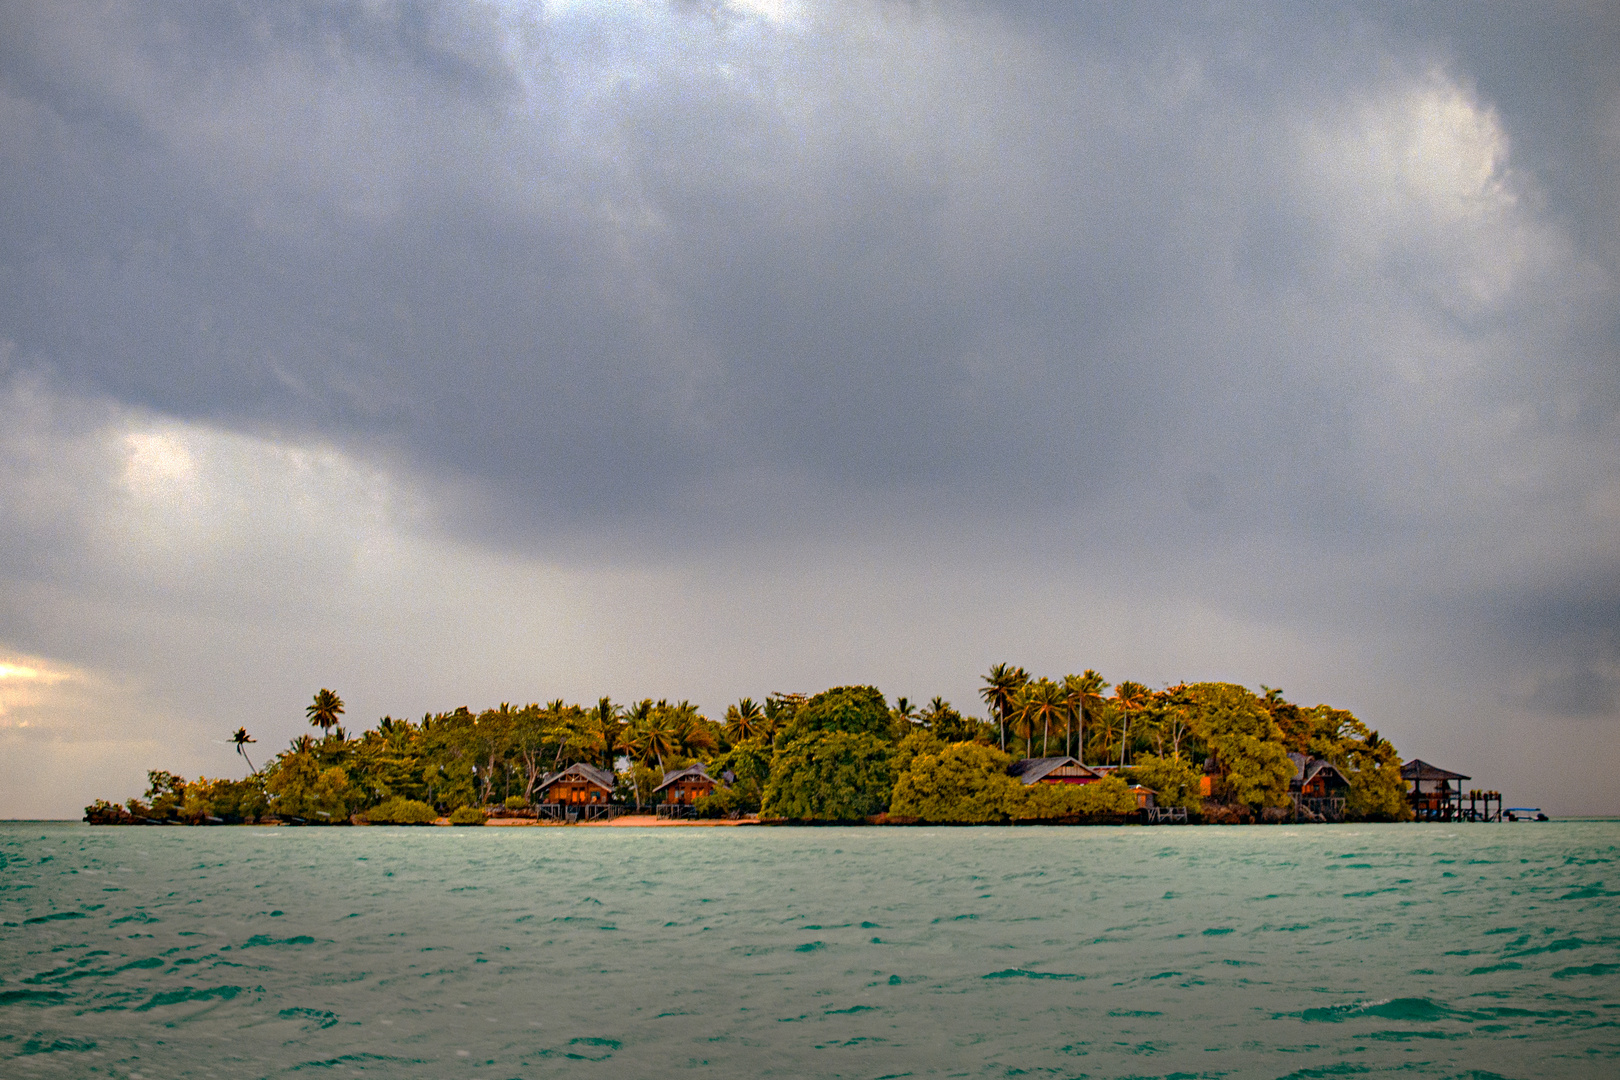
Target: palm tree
1078	690
325	710
1000	688
241	738
607	730
1130	697
1042	701
744	720
694	735
905	710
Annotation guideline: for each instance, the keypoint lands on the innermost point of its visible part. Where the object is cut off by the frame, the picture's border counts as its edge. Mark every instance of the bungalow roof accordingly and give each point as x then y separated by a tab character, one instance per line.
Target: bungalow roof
1307	768
1033	769
600	777
1418	769
691	772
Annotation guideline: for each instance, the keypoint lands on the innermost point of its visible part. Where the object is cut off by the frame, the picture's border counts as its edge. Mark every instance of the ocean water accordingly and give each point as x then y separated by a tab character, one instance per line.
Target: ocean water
1322	951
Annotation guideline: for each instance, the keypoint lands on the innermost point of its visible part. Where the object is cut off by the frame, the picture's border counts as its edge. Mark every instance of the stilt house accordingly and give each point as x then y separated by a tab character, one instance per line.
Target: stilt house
684	787
1318	787
1435	793
577	784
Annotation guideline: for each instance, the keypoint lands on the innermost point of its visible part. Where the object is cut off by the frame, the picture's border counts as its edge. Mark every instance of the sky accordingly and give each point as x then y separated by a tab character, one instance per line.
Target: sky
450	354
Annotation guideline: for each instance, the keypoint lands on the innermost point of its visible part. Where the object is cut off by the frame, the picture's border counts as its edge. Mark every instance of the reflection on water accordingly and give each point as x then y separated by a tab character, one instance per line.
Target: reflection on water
1482	950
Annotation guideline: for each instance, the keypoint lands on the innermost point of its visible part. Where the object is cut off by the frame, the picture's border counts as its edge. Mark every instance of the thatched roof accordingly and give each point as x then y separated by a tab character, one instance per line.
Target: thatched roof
1032	770
692	772
600	777
1418	769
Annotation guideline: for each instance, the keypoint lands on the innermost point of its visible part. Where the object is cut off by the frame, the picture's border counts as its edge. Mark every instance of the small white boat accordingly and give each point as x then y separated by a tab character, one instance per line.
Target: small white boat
1524	813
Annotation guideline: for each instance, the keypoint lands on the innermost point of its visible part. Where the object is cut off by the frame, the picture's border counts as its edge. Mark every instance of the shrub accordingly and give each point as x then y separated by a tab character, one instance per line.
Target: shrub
1106	798
398	811
964	783
467	815
516	802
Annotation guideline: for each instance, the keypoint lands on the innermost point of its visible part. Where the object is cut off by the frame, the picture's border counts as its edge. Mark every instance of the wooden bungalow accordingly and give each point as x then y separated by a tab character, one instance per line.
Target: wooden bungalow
1435	793
1053	770
683	787
1319	788
577	785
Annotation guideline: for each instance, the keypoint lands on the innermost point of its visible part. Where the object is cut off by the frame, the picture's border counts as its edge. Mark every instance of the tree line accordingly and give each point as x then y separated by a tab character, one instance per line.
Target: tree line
1218	750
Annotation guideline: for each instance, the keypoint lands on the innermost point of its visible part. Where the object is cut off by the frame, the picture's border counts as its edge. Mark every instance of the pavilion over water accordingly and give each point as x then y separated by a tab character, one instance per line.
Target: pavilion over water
1436	794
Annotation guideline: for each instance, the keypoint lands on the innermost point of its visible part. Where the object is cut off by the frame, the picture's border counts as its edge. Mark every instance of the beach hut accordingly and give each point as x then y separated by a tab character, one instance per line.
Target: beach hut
1435	793
1144	797
683	787
579	784
1053	770
1319	788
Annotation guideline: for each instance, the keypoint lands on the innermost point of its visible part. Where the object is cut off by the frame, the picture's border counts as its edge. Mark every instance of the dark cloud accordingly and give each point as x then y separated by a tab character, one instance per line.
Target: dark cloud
1305	315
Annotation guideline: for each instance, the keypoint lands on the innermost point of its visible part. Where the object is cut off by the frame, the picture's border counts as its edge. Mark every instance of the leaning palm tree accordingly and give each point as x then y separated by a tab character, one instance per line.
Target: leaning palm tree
241	738
325	710
1001	686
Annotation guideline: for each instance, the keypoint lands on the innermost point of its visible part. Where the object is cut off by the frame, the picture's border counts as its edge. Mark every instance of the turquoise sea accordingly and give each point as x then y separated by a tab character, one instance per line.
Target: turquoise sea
1317	951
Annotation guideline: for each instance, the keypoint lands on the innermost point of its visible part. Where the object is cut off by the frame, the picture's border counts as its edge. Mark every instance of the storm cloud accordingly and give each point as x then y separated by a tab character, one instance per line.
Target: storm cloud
455	353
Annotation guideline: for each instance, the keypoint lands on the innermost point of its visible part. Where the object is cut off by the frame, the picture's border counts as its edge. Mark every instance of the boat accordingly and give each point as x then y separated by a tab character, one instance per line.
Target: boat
1524	813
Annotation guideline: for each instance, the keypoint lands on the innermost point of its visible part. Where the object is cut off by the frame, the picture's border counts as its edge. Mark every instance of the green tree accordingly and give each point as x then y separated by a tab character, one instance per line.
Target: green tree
827	774
744	721
1174	781
241	738
961	783
853	710
1080	692
1130	699
1250	757
607	731
1000	691
324	711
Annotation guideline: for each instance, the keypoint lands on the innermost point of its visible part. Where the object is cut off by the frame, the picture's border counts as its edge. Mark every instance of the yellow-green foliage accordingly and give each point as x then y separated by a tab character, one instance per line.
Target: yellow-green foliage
1175	781
1377	792
828	776
1106	798
398	811
967	784
233	800
300	788
963	783
467	815
1246	742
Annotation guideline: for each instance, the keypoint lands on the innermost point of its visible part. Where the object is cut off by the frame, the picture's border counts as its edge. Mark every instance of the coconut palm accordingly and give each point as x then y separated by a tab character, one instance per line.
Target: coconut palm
745	720
1000	689
1078	692
325	710
241	738
1041	702
607	730
1131	698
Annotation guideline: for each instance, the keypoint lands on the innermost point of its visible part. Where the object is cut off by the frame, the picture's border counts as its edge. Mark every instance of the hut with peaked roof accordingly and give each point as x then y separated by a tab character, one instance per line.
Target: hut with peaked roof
1053	770
1435	793
1319	788
578	784
683	787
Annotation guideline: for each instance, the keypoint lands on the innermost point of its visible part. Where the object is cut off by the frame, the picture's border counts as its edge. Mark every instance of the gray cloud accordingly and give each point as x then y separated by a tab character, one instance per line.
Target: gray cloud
1305	319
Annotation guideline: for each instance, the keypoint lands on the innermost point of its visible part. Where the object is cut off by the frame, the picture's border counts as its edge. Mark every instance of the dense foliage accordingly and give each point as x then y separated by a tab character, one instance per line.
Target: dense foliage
1217	750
